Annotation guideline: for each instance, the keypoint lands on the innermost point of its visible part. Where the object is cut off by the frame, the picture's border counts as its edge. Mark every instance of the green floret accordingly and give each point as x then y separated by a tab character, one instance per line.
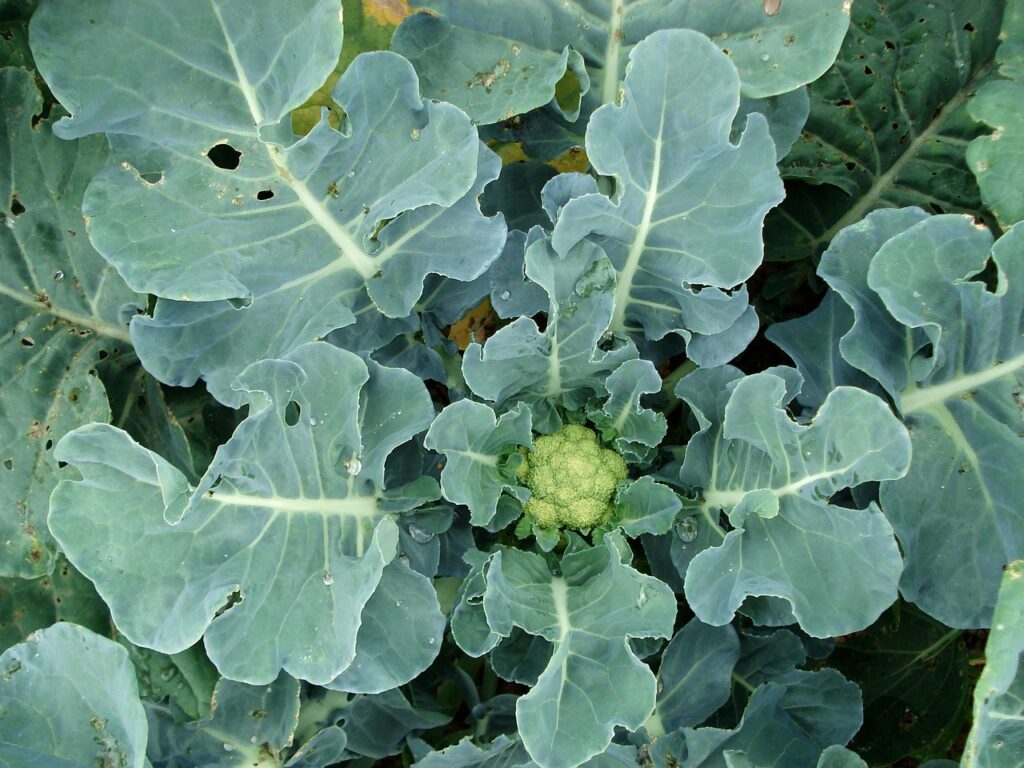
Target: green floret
572	478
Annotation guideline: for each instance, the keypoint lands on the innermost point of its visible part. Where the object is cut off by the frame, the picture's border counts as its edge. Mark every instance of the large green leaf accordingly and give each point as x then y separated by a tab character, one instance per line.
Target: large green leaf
684	224
567	363
695	676
277	554
996	159
68	699
950	352
496	60
913	672
889	123
997	735
278	245
594	681
785	725
62	309
836	567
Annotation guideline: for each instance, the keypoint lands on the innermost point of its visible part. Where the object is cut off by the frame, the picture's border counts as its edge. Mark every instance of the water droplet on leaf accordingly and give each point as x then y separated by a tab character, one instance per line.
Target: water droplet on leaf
686	530
419	535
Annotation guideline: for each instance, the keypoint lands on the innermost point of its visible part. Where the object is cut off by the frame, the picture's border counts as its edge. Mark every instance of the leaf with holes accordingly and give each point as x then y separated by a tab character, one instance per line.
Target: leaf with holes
68	697
301	482
258	240
62	308
889	123
497	60
836	568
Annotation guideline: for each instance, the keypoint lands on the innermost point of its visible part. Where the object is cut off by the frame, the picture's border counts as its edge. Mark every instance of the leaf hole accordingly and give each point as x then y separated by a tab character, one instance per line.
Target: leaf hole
9	465
292	412
890	45
265	194
968	27
103	354
61	465
868	70
27	342
224	156
152	177
49	444
16	207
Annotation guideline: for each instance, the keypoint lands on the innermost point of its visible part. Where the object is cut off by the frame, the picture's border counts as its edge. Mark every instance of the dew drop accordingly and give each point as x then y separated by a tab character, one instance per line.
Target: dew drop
415	134
505	295
228	748
686	529
354	465
166	673
328	578
431	640
419	535
398	603
765	57
58	276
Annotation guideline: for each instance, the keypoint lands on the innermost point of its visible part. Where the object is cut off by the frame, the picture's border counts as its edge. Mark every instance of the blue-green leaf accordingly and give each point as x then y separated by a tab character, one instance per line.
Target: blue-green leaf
685	221
594	681
633	430
785	725
695	676
836	567
950	353
68	698
301	482
287	239
996	159
645	506
997	735
480	452
248	724
61	307
564	364
490	77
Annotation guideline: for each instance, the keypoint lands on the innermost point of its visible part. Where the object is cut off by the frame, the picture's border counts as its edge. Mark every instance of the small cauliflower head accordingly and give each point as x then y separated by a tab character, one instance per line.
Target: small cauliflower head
572	479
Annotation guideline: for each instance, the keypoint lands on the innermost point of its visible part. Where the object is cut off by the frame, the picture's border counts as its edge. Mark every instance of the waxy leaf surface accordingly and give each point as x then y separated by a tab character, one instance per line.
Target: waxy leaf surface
290	528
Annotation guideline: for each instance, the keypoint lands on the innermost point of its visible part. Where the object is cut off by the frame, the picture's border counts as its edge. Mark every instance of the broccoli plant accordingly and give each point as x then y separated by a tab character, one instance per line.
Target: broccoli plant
550	383
571	478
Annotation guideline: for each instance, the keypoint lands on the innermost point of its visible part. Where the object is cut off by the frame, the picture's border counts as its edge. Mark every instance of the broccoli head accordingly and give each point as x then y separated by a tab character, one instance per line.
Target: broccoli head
572	478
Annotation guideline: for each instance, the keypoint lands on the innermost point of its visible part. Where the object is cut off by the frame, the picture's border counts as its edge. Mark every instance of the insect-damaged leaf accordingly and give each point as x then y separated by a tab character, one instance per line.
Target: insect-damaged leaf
290	529
62	309
68	698
261	241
